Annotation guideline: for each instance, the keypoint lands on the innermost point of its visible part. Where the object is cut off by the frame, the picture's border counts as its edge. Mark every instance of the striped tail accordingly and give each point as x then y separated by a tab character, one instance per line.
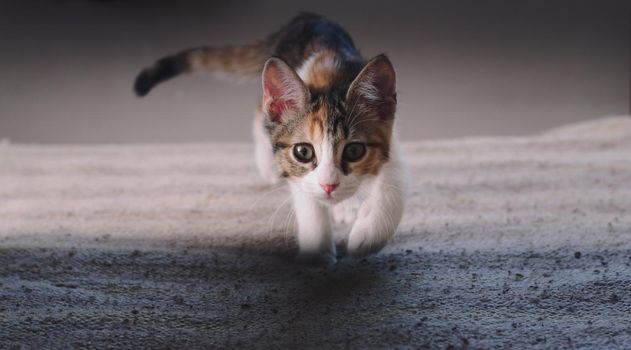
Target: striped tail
241	61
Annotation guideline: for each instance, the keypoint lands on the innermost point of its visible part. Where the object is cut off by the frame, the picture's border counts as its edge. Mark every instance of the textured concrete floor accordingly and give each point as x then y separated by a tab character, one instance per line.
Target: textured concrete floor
404	298
506	242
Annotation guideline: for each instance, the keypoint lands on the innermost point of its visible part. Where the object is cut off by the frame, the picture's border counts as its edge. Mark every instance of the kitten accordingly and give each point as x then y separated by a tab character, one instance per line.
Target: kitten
325	124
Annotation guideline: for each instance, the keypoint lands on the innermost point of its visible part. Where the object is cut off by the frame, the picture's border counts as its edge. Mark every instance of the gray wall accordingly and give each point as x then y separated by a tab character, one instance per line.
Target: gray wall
464	68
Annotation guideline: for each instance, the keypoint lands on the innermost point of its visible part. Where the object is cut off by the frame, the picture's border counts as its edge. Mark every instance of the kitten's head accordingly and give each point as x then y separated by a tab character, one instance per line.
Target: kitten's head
330	131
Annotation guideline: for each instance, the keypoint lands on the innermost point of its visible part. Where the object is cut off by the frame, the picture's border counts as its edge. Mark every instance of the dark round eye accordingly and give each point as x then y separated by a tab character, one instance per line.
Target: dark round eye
354	151
303	152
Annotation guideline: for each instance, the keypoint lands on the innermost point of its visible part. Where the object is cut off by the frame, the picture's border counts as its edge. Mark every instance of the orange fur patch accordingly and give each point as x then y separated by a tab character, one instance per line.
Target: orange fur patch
321	71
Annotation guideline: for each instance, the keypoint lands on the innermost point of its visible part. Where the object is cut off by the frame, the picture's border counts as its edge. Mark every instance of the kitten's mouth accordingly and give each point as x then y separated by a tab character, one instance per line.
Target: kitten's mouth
330	198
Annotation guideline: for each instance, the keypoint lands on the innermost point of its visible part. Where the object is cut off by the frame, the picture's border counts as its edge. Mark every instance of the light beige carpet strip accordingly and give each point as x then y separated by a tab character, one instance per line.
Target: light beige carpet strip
567	187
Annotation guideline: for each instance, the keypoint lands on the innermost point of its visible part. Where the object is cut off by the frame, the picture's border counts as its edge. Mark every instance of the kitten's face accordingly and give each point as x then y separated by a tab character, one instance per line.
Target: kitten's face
328	152
328	140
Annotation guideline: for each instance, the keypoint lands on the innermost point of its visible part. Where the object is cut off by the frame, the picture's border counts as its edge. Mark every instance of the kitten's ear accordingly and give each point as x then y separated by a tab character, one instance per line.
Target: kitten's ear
374	89
284	94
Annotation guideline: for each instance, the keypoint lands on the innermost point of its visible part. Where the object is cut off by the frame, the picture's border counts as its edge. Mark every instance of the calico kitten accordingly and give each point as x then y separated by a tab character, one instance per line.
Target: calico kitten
325	123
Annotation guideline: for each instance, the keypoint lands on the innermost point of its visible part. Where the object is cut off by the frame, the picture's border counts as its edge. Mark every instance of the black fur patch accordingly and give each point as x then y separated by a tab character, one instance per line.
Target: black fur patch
165	69
279	146
308	33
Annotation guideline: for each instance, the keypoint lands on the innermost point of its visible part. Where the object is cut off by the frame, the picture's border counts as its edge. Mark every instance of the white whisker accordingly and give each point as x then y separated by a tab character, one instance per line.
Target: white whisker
261	197
273	217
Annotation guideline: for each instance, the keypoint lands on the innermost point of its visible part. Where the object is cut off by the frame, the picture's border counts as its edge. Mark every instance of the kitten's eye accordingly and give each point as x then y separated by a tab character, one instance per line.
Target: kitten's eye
303	152
354	151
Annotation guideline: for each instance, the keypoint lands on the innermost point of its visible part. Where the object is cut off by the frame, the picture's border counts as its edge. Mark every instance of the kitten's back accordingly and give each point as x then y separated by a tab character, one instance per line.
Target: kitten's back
294	43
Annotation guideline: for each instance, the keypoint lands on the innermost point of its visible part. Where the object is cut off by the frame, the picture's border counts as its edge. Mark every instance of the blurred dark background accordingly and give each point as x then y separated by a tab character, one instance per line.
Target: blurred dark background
464	67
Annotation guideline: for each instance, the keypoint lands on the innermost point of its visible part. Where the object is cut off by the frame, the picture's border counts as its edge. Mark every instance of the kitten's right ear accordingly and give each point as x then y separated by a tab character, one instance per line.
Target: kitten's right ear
285	96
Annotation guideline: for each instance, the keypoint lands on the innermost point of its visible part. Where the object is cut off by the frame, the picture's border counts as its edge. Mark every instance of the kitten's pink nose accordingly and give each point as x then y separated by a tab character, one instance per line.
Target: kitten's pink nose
328	188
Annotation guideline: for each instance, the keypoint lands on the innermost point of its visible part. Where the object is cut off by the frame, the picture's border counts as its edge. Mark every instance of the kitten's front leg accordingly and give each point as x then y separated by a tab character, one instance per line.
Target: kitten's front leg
380	214
314	229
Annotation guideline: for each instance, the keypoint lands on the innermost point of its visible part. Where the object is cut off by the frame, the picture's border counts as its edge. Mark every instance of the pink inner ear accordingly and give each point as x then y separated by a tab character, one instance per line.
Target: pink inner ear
275	100
278	107
283	91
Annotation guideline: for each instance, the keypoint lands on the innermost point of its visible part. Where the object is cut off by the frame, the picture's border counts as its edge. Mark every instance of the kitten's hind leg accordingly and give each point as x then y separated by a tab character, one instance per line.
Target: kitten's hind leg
263	151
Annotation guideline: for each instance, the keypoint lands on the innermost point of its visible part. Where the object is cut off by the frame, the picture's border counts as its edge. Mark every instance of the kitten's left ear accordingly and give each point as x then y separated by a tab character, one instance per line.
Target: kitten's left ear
374	88
284	94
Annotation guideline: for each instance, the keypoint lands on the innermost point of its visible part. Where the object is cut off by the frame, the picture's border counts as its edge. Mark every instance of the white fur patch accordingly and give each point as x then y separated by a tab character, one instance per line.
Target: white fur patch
319	63
327	172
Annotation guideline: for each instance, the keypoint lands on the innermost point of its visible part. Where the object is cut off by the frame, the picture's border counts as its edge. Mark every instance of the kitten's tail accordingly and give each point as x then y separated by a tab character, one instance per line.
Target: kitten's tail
241	61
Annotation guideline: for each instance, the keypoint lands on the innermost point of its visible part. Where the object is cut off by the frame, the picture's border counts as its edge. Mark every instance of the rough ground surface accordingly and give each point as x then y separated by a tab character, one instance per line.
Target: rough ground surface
507	242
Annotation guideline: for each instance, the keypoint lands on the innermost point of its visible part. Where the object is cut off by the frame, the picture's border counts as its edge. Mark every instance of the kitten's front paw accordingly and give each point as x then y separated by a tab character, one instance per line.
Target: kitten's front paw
366	240
316	259
344	213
